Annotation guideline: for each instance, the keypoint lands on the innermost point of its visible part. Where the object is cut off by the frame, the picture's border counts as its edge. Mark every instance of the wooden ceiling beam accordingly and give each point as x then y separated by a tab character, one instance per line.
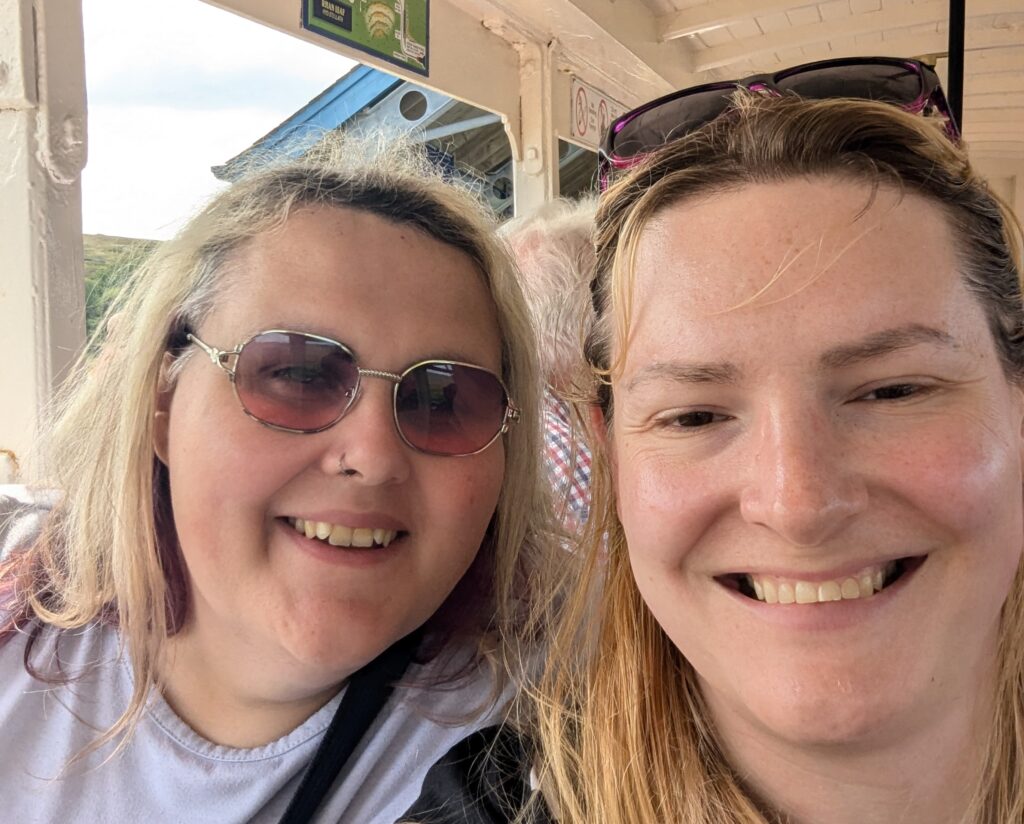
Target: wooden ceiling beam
716	15
982	61
902	17
920	44
982	83
1010	148
995	117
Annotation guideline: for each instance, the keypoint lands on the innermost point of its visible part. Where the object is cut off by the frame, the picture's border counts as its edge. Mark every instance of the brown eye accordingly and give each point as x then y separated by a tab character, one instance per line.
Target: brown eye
693	420
895	392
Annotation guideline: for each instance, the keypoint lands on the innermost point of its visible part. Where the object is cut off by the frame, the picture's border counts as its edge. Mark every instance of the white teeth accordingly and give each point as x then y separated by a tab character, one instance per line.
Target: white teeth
830	591
864	584
341	535
805	593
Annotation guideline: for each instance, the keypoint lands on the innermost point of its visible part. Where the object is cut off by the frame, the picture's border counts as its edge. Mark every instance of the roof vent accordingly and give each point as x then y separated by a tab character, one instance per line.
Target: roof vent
413	105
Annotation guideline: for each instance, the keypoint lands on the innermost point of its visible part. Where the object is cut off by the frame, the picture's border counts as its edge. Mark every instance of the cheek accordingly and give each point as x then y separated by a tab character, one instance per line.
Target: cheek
968	484
664	504
464	498
224	468
967	476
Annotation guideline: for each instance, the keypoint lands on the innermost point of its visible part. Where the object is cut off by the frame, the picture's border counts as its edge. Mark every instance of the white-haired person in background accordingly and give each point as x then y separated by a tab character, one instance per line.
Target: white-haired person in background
554	248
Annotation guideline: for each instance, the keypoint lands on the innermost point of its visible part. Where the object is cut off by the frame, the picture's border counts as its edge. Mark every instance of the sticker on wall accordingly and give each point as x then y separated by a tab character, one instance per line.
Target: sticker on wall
393	30
592	113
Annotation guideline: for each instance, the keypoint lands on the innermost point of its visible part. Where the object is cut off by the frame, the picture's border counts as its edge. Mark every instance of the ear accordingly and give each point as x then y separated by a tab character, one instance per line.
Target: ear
162	415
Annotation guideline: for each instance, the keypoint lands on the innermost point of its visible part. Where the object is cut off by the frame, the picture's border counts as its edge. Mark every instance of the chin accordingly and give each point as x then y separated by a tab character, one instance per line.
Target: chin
830	723
332	652
837	711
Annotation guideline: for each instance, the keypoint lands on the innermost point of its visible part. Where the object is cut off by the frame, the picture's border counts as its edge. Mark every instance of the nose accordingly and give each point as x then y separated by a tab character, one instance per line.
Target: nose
365	445
803	483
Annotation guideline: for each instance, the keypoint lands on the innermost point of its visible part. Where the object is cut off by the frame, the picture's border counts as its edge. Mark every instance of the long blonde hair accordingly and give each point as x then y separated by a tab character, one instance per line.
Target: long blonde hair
625	735
109	550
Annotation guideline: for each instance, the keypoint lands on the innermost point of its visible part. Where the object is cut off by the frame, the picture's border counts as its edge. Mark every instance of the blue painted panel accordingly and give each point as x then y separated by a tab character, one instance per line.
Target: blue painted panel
361	87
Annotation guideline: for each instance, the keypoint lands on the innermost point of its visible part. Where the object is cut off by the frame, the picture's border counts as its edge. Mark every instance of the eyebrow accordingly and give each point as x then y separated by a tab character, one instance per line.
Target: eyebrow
875	345
884	343
685	373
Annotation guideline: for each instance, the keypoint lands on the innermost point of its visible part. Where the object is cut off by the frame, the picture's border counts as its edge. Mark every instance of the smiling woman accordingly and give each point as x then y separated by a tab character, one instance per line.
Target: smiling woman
809	492
308	463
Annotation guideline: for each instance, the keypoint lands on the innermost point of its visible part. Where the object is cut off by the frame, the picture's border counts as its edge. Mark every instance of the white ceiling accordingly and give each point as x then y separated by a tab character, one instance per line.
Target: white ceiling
732	38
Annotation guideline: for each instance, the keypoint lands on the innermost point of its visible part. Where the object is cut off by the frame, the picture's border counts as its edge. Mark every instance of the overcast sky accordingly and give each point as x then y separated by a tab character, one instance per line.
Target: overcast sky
174	88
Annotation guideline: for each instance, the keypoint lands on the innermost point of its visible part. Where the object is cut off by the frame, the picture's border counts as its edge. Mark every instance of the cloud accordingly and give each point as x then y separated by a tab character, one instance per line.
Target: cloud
156	173
202	88
175	88
123	35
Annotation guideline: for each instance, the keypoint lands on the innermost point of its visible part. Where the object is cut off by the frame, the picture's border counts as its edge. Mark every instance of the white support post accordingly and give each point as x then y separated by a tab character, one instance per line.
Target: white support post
42	153
535	149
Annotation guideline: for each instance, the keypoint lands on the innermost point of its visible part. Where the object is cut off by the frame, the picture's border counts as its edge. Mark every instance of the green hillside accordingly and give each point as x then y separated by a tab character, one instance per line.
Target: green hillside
108	261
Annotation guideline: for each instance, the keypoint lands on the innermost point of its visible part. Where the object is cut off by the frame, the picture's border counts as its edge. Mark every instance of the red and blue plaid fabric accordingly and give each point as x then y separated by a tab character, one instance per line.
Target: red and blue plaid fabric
567	461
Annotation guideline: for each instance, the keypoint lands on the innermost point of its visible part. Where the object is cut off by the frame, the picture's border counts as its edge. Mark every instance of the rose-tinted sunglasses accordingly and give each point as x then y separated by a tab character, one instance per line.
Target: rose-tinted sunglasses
303	383
907	83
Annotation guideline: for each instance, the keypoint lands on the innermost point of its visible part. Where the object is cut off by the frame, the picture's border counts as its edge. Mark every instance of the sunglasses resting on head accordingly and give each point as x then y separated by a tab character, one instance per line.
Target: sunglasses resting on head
304	383
907	83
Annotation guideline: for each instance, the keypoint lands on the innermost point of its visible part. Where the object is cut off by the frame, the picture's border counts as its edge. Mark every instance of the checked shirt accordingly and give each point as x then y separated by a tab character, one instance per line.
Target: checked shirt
568	468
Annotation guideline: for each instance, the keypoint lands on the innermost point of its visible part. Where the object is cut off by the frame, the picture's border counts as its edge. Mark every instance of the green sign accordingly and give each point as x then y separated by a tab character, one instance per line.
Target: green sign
393	30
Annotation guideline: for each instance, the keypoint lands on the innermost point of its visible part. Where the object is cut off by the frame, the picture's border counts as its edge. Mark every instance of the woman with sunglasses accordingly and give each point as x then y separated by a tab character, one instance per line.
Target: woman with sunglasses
806	531
304	471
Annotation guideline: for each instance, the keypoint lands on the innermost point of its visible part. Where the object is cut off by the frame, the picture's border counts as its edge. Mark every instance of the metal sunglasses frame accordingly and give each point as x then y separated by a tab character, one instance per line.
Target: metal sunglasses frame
931	93
221	358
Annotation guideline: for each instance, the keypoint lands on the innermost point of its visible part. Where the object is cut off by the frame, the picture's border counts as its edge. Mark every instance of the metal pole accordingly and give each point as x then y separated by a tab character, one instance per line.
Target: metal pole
957	24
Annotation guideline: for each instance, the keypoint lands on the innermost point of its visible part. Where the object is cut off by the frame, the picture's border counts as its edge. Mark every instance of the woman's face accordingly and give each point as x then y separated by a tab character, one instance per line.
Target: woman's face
812	407
263	592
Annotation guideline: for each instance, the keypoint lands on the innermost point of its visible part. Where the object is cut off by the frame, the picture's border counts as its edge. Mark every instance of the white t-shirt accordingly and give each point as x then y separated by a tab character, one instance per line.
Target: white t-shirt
169	773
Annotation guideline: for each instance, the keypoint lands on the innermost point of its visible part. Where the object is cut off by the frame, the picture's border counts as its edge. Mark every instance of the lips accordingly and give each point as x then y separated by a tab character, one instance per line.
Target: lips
862	584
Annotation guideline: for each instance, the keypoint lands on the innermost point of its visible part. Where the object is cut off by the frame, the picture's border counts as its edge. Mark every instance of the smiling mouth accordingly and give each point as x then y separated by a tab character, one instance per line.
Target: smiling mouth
341	535
866	583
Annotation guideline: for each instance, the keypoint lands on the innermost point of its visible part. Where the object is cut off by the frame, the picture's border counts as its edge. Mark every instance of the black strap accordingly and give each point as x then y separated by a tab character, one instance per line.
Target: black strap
368	690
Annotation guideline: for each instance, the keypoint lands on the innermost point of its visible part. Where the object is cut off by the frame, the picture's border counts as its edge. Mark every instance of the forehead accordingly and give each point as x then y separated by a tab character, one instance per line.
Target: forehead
363	279
773	264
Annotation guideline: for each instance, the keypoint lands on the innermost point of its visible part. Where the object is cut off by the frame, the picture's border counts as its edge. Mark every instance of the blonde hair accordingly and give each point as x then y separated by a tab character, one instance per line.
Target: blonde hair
625	735
109	550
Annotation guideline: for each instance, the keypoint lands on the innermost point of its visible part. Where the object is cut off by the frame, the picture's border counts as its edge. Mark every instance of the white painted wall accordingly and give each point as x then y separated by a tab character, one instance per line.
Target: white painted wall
42	152
1006	177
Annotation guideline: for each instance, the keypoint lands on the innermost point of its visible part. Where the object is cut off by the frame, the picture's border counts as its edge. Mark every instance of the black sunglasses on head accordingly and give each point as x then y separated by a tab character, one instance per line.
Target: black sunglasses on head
909	84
